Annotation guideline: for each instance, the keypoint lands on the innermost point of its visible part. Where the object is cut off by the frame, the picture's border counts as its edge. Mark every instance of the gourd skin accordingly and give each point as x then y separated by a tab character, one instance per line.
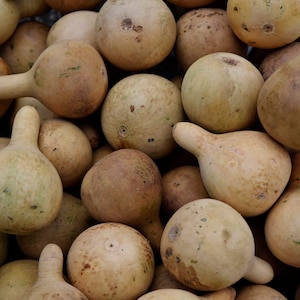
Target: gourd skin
30	187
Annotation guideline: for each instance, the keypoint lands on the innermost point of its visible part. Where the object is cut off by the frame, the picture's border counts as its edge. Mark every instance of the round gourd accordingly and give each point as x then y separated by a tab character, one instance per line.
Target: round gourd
111	261
206	251
219	92
135	35
259	291
139	112
265	24
202	31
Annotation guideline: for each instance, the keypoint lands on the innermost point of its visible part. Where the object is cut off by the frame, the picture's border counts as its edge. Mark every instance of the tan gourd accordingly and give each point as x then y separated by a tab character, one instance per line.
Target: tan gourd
17	277
219	92
207	245
71	220
139	112
180	186
74	25
68	149
125	186
169	293
135	35
246	169
74	68
202	31
11	12
282	226
111	261
50	283
259	291
31	189
25	45
67	6
265	24
278	107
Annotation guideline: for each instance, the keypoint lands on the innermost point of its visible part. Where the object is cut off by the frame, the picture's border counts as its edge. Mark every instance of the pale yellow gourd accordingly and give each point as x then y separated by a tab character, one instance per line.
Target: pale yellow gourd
207	245
259	291
246	169
50	283
17	277
30	187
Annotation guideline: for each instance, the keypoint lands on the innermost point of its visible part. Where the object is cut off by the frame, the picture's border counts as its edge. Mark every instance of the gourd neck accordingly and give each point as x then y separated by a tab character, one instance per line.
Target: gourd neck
26	126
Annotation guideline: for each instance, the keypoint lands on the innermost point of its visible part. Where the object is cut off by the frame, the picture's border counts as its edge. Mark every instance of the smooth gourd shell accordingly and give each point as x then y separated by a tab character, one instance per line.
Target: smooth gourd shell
246	169
50	283
111	261
259	291
31	189
206	251
169	293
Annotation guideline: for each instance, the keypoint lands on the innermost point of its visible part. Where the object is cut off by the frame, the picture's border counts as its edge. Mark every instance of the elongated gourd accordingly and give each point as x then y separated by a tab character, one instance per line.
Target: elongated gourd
50	283
247	169
30	187
69	78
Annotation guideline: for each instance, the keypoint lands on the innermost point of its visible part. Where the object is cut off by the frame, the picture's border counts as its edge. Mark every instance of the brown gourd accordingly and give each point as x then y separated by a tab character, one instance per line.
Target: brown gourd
4	70
25	45
50	283
67	6
74	68
246	169
125	186
30	187
11	12
207	245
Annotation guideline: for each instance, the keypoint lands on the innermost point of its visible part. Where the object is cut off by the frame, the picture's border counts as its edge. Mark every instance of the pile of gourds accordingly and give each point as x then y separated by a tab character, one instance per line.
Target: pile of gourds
149	149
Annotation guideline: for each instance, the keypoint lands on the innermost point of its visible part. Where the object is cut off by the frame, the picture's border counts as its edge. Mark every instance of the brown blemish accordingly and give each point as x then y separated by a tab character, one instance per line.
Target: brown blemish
230	61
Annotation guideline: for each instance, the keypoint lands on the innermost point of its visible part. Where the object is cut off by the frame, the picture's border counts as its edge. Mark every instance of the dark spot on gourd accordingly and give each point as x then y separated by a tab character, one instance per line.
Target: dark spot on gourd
131	108
86	266
150	140
230	61
169	252
268	28
33	206
235	9
244	26
174	232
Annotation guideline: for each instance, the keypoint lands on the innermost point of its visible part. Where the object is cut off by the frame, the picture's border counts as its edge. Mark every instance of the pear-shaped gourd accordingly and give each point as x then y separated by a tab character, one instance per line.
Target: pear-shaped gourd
50	283
246	169
69	78
207	245
30	187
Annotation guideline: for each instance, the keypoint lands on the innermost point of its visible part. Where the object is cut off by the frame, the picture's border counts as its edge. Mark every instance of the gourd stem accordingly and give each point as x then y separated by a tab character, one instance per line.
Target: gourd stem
50	263
260	272
16	85
190	136
26	126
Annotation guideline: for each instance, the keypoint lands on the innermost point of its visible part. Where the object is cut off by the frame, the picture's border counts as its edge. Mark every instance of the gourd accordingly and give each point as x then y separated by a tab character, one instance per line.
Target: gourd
219	92
111	261
207	245
139	112
125	186
246	169
191	3
72	219
25	45
50	283
202	31
17	277
278	106
282	226
72	5
135	35
30	187
74	25
169	293
265	24
68	149
11	12
259	291
74	68
4	70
